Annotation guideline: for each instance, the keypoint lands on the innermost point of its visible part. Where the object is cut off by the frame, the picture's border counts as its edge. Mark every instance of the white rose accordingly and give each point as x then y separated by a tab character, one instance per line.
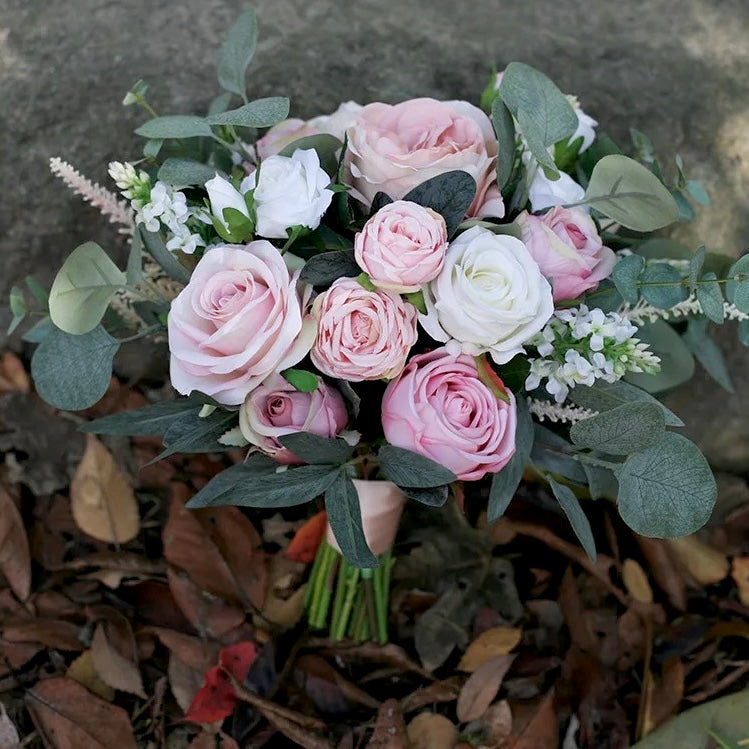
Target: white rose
222	194
586	125
490	296
291	191
338	122
546	193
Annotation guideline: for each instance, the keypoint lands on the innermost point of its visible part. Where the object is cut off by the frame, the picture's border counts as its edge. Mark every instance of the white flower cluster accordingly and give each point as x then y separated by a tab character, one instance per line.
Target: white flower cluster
580	346
156	206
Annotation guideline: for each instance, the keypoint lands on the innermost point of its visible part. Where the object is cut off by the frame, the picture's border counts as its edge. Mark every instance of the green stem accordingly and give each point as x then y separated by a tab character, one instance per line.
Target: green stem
319	599
340	594
352	587
369	599
381	603
314	572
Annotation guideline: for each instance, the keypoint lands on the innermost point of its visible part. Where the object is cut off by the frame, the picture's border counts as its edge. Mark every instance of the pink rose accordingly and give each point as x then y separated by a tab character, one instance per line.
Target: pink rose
402	246
439	408
276	408
240	319
361	334
565	244
394	148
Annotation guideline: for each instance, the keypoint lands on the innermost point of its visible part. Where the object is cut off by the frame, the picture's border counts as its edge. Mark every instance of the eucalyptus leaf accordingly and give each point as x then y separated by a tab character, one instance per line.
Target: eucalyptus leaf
504	127
39	331
380	200
553	453
667	490
625	275
435	496
155	246
707	352
72	372
622	430
191	433
323	269
83	288
574	512
259	113
505	482
737	291
630	194
344	516
317	450
185	172
38	292
677	362
175	126
710	297
147	421
450	194
695	267
743	332
134	271
602	483
407	468
236	53
325	145
662	286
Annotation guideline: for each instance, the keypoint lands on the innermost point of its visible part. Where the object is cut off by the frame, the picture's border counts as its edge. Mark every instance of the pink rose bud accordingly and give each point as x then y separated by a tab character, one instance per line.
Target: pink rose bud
282	134
402	246
394	148
439	408
565	244
361	334
241	318
276	408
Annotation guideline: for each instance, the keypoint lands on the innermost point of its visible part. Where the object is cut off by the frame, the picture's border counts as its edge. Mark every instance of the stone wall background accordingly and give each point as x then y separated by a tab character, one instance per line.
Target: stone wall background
675	69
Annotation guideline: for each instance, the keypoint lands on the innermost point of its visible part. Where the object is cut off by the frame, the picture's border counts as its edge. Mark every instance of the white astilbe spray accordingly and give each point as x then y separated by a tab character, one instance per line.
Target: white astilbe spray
557	413
117	211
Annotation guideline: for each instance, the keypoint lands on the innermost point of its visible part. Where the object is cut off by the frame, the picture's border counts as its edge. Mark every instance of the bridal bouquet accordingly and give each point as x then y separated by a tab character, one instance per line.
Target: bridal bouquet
380	303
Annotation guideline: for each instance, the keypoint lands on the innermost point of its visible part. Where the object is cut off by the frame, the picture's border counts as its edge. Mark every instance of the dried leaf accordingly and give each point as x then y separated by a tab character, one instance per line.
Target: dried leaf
706	565
663	570
636	581
101	498
740	574
112	666
390	728
13	376
667	694
492	642
482	687
194	652
446	690
542	730
432	731
9	738
497	722
51	633
184	681
15	559
83	671
306	541
68	716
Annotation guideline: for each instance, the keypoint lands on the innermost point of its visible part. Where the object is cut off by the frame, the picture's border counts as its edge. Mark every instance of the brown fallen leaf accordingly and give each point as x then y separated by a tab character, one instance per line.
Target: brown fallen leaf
667	694
13	655
13	377
101	498
664	570
432	731
492	642
184	681
114	668
320	678
636	581
542	730
497	722
705	564
390	728
446	690
284	599
15	558
193	651
740	574
51	633
481	688
68	716
9	738
83	671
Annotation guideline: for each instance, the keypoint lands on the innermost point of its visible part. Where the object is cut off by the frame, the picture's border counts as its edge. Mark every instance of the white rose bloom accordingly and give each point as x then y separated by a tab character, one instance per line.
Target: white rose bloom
546	193
586	125
291	191
489	297
222	194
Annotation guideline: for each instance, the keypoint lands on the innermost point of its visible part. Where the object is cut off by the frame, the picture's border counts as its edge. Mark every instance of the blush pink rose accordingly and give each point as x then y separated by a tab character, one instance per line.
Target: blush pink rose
241	318
566	245
361	334
276	408
394	148
439	408
402	246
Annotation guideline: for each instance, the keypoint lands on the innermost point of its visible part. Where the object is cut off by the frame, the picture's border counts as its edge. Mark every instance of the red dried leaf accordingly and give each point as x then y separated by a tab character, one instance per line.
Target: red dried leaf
303	547
237	659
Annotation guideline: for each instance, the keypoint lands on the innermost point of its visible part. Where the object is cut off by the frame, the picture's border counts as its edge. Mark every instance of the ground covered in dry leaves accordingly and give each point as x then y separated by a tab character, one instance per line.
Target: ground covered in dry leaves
127	621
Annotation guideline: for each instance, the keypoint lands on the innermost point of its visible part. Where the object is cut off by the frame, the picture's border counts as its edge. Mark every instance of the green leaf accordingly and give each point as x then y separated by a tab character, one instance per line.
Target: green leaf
695	267
450	194
152	148
72	372
237	52
141	422
39	331
365	282
38	292
175	126
625	275
323	269
574	512
134	270
417	299
435	496
744	332
317	450
407	468
191	433
17	302
602	483
327	147
505	482
630	194
259	113
155	246
302	380
710	297
238	226
185	172
257	484
504	127
738	291
603	396
707	352
666	296
553	453
344	516
622	430
83	289
543	113
667	490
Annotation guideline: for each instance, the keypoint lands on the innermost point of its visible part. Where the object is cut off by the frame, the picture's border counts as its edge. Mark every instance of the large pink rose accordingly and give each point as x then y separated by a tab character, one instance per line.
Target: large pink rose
361	334
393	148
240	319
402	246
276	408
565	244
441	409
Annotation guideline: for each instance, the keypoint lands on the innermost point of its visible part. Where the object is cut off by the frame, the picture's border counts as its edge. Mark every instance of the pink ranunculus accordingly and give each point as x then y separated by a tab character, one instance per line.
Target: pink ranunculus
361	334
565	244
439	408
276	408
241	318
402	246
394	148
